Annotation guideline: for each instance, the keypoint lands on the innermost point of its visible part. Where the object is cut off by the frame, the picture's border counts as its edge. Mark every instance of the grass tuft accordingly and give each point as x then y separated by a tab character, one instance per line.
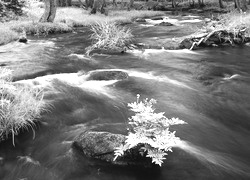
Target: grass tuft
20	106
109	36
37	28
7	35
235	21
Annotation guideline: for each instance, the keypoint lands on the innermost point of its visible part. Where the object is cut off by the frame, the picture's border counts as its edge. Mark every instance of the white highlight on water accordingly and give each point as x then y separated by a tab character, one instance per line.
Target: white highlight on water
165	19
164	79
231	77
208	157
81	56
146	53
190	21
174	21
74	79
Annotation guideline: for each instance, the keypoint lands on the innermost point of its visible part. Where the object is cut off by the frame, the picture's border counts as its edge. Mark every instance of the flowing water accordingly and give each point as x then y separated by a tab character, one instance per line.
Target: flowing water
208	88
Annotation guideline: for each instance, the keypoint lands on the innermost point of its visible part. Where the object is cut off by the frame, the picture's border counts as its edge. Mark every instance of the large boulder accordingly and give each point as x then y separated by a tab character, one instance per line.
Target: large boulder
107	75
101	145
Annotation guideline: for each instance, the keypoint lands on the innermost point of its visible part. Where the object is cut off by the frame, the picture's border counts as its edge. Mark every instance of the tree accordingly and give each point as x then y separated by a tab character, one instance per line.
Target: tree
98	5
221	4
174	4
50	11
244	5
241	5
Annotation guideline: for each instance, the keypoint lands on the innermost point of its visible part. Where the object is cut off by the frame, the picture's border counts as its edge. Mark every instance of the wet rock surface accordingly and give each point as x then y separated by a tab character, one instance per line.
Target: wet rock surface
164	24
107	75
101	145
23	39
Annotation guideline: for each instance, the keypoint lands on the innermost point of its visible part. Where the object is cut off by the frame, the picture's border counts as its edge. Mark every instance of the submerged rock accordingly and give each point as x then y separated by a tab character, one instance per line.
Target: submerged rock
164	24
157	18
107	75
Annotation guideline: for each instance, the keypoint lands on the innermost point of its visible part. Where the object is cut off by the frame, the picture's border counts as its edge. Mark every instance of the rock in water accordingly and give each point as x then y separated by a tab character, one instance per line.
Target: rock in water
186	43
107	75
23	39
164	24
99	145
157	18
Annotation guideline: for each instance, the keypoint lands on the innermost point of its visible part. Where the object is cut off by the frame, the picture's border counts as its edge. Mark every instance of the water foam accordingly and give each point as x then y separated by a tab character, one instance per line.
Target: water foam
165	19
81	56
158	78
231	77
74	79
190	21
145	53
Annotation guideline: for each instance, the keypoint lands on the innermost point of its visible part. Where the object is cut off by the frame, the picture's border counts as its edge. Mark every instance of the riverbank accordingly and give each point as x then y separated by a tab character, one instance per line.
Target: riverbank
66	19
198	32
229	29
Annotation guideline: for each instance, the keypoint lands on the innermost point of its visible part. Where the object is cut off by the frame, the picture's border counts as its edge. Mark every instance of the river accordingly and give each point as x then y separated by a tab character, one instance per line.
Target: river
207	88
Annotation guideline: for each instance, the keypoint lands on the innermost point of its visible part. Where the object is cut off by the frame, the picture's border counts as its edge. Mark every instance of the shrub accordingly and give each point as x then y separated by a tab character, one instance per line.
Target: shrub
11	10
149	131
19	106
109	36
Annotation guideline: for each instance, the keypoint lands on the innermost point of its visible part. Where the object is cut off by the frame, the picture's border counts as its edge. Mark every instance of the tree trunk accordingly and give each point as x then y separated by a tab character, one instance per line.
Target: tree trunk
244	5
241	5
221	4
173	3
98	5
115	3
237	4
131	4
199	2
50	11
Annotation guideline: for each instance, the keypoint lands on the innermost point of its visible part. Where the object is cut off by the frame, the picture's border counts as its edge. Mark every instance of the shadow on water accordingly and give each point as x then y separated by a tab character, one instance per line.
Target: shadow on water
209	89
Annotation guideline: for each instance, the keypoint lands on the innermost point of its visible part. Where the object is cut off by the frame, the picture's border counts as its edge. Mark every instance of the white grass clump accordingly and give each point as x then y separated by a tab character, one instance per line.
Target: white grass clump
109	36
20	106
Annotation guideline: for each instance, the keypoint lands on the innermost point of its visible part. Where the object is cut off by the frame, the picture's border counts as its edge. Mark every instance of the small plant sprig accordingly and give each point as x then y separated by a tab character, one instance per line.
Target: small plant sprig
149	131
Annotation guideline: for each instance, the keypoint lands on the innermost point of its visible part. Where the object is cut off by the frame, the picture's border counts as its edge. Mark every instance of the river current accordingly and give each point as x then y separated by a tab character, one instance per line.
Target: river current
207	88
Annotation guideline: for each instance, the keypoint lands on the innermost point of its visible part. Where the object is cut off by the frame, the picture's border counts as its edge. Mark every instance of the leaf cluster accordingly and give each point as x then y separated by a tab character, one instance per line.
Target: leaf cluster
150	130
10	10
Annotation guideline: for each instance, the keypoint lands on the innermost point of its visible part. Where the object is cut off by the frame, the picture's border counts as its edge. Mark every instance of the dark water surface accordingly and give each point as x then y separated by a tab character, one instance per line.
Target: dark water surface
209	89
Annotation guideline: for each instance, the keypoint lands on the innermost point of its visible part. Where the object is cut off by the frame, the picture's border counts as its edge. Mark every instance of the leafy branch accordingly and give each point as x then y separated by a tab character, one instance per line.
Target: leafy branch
150	131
